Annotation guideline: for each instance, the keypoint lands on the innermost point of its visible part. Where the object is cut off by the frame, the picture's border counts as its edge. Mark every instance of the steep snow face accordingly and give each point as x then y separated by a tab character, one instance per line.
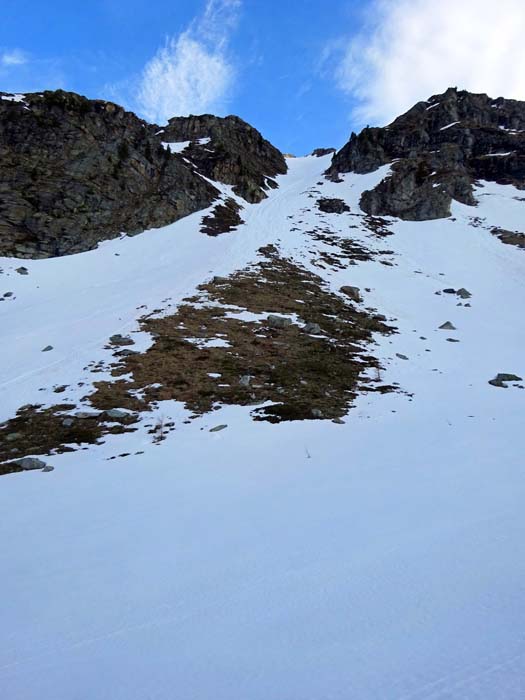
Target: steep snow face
381	558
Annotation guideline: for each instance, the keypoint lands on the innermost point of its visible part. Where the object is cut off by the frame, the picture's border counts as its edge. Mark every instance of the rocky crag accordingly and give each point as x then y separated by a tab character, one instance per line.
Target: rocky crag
77	171
437	151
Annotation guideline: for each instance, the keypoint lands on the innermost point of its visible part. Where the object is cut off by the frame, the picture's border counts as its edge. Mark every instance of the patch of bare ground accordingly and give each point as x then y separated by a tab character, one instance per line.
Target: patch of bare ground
302	375
221	347
509	237
41	431
224	218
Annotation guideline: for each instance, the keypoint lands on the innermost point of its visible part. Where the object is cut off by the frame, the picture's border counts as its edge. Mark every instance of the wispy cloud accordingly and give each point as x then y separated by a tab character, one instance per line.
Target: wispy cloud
411	49
192	72
13	57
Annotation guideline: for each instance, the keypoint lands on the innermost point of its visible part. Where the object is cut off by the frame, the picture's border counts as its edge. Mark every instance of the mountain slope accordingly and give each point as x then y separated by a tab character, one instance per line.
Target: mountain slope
227	556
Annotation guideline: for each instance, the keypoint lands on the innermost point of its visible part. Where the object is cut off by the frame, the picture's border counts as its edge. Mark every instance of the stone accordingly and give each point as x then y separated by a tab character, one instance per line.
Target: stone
278	321
338	421
116	413
12	437
68	422
30	463
500	380
447	326
245	380
330	205
452	340
48	468
312	328
87	415
47	348
121	340
401	356
218	428
449	291
8	294
353	292
463	293
317	413
22	270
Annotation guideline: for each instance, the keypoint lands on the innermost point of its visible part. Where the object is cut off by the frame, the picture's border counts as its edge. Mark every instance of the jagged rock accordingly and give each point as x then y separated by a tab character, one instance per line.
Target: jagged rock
30	463
332	205
47	348
352	292
224	218
20	270
312	328
235	154
448	326
464	293
438	149
278	321
78	171
500	380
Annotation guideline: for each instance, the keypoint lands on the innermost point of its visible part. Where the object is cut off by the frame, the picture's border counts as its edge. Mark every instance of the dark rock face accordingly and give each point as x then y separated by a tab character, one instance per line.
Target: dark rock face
320	152
438	149
235	154
75	171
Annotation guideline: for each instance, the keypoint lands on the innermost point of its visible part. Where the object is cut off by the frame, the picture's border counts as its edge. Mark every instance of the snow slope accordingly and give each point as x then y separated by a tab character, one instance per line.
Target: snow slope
382	558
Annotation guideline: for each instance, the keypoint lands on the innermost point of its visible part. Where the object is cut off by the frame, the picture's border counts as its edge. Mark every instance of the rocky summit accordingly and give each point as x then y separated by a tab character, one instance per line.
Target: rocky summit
437	151
75	171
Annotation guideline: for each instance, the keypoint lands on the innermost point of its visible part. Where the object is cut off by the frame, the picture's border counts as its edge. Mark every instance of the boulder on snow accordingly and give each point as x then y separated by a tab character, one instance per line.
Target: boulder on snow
47	348
500	380
22	270
121	340
352	292
30	463
447	326
116	413
463	293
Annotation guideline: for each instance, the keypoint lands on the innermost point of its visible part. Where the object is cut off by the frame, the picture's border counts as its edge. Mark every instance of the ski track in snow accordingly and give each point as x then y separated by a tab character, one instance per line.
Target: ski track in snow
380	559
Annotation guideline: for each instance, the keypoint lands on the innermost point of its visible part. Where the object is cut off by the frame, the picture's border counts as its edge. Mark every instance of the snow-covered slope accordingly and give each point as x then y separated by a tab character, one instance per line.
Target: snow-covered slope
378	558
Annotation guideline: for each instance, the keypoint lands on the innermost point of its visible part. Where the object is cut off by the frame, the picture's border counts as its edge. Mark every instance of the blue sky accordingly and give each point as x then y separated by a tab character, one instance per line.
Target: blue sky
304	72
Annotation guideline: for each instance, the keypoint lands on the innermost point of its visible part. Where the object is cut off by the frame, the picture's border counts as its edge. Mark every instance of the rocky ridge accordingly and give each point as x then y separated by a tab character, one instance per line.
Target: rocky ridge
437	151
77	171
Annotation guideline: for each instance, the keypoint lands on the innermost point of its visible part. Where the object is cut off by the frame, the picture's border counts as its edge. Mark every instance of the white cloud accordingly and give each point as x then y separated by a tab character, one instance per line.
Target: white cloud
412	49
13	57
192	73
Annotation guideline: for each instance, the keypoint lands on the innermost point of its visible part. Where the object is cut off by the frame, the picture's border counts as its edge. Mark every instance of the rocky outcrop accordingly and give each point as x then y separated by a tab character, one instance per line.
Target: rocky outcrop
437	150
228	150
76	171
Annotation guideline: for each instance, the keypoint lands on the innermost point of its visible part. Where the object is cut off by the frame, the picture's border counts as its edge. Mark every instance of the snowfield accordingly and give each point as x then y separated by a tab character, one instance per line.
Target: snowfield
378	559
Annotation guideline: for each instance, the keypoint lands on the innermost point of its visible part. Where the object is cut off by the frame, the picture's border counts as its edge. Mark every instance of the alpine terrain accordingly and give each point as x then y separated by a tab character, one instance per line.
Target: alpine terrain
262	416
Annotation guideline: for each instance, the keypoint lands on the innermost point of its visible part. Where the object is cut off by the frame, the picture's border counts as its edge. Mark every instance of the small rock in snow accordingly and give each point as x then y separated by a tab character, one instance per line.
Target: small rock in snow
8	294
116	413
401	356
22	270
500	380
448	326
463	293
352	292
47	348
218	428
29	463
121	340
